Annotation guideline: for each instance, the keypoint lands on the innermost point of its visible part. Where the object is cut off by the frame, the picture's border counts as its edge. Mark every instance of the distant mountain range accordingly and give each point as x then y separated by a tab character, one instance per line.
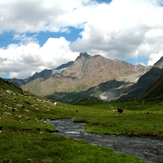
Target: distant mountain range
92	77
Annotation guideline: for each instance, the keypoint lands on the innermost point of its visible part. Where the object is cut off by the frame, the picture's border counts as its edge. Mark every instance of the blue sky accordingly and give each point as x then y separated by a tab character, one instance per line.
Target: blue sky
35	34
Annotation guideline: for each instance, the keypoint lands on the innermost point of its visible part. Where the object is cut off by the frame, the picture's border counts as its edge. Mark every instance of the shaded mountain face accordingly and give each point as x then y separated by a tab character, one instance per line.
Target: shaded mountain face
84	73
43	74
154	91
64	66
146	80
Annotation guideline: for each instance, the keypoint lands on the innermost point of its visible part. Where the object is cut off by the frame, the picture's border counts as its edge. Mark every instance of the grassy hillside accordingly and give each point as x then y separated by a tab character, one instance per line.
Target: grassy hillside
25	137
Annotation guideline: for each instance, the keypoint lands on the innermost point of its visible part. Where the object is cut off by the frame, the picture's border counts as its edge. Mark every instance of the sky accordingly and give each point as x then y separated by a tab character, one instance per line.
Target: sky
43	34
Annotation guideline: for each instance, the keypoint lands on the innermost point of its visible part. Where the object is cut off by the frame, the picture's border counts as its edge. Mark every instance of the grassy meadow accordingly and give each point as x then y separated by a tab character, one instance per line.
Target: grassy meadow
135	120
25	137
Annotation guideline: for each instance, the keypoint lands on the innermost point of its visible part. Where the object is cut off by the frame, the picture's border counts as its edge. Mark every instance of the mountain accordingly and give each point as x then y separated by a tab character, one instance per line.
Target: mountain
64	66
154	91
20	82
46	73
145	81
87	76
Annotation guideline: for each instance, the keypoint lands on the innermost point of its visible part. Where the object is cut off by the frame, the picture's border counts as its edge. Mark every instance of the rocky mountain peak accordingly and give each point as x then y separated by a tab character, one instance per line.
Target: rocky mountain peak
86	65
84	55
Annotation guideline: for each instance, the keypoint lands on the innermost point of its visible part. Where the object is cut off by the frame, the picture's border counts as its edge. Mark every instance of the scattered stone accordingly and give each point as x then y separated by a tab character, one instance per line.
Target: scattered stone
7	113
19	105
10	108
26	110
20	116
8	91
29	159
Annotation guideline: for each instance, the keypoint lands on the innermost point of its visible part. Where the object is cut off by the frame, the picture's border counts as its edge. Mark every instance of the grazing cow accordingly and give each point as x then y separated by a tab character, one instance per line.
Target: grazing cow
148	112
119	110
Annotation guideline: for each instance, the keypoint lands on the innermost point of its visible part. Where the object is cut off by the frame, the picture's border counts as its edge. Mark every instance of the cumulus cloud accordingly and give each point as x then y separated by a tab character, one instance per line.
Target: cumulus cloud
123	29
21	61
117	30
41	15
153	58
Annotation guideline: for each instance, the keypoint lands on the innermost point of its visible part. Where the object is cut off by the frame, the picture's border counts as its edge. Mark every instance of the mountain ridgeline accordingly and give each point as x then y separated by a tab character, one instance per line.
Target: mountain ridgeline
93	77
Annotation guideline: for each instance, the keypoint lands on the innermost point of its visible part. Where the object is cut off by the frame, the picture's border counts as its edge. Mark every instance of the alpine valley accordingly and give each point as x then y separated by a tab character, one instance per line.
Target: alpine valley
94	77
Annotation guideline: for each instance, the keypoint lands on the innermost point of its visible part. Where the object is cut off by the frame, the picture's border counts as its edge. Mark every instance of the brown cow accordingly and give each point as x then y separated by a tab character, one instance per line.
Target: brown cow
119	110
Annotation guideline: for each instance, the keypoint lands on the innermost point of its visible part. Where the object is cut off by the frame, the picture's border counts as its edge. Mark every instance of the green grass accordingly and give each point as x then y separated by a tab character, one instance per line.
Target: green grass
134	121
25	137
22	147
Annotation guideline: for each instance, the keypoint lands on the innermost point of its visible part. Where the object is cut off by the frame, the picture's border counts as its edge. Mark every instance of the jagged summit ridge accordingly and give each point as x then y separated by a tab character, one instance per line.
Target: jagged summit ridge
85	55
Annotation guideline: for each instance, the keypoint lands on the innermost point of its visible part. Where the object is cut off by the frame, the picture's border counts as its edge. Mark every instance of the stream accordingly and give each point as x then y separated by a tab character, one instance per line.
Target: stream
150	150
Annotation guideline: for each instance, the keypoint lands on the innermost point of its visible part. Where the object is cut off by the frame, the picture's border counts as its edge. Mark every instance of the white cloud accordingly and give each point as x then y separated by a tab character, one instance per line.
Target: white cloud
58	50
119	30
153	58
123	29
41	15
23	38
21	61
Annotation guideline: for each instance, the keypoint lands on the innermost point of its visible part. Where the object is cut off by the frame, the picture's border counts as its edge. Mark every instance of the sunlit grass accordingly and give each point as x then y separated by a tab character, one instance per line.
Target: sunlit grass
134	121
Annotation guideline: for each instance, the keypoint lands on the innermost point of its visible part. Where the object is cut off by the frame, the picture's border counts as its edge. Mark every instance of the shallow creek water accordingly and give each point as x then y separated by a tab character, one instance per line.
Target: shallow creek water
150	150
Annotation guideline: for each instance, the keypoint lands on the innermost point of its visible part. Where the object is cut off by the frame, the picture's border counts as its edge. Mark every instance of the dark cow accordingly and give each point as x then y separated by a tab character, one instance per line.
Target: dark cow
148	112
76	111
119	110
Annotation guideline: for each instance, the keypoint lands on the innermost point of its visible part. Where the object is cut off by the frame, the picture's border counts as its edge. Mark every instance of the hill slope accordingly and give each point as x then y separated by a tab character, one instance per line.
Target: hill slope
154	91
146	80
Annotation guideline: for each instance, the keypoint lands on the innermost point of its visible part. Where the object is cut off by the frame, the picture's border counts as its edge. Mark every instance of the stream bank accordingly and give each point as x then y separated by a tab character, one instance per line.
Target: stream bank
150	150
